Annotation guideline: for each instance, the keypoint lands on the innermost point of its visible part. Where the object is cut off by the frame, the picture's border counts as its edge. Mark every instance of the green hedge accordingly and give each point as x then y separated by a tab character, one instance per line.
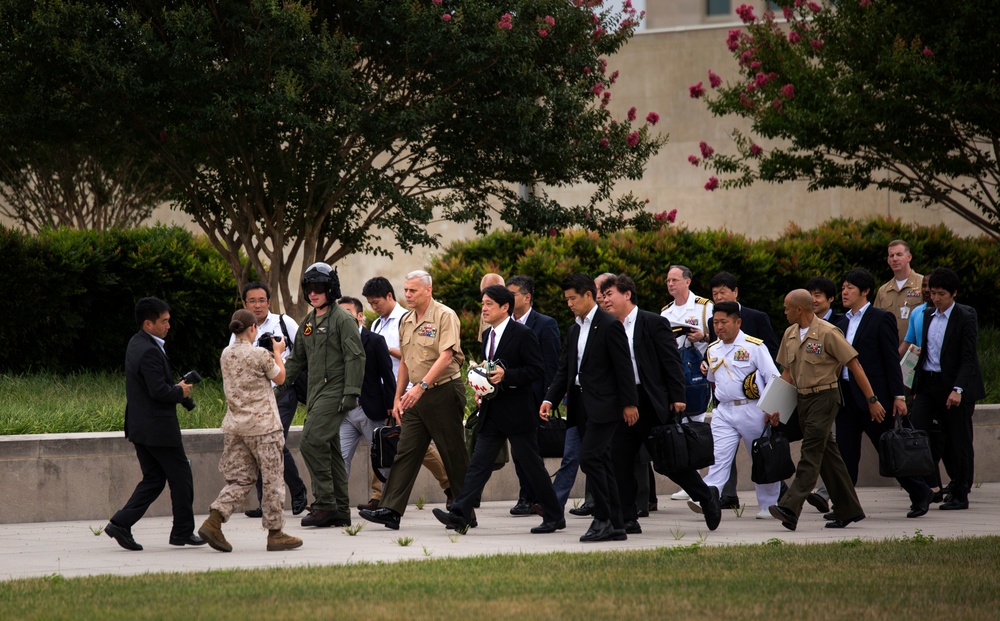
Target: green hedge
766	269
71	297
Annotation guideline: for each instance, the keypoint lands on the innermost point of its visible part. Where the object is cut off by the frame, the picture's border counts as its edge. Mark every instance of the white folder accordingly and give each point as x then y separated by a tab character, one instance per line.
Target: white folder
779	396
908	365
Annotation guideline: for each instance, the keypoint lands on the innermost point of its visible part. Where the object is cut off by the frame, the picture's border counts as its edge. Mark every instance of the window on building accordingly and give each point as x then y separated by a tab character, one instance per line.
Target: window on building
718	7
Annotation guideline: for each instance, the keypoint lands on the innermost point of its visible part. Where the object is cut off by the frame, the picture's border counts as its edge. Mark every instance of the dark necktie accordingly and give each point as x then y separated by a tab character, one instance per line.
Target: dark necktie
493	343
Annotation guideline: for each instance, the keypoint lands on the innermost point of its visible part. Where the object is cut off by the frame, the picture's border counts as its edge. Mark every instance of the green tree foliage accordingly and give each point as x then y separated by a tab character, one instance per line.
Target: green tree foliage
72	294
895	94
313	130
766	269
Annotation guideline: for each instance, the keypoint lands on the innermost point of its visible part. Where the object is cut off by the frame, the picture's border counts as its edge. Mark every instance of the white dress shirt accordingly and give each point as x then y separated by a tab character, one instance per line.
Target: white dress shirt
585	324
935	338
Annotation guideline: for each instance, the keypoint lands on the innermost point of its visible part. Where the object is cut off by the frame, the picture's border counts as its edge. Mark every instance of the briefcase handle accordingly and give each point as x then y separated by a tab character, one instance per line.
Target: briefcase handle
900	420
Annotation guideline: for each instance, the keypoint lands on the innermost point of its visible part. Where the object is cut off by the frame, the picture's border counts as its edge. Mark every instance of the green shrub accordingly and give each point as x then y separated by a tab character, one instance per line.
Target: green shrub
766	269
72	296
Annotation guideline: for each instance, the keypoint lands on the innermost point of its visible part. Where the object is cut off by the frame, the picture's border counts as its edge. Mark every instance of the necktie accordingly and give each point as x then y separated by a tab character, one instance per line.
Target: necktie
493	343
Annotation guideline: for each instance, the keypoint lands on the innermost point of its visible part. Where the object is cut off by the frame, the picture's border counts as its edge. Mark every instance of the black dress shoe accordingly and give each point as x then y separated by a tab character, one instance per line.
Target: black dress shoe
632	527
385	517
299	503
448	518
254	513
652	506
729	502
371	505
523	508
713	509
548	527
123	536
954	504
190	540
845	523
642	513
788	519
821	504
583	510
600	530
830	515
921	507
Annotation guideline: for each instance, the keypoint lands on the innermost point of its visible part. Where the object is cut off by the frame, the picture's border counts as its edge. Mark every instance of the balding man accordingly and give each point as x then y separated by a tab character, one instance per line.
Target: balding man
812	353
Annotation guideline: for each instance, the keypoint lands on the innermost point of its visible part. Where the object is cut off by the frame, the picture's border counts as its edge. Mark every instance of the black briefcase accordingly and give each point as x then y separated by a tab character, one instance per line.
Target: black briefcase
679	447
772	457
904	451
552	437
384	442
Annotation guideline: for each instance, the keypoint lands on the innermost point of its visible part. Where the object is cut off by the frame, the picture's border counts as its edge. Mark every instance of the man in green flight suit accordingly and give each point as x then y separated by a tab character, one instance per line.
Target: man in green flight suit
328	349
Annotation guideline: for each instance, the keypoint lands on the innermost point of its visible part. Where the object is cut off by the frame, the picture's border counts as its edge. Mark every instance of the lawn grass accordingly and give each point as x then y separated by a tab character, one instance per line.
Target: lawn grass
914	578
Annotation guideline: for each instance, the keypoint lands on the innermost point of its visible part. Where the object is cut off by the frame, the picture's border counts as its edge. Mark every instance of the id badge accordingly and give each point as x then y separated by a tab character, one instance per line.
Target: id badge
904	312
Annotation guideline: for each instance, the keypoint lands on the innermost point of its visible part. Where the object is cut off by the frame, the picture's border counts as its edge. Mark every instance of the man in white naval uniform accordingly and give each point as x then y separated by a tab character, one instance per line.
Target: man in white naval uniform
740	367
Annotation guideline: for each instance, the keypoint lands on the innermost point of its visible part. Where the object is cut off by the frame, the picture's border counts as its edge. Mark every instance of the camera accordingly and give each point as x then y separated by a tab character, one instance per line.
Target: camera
191	377
267	340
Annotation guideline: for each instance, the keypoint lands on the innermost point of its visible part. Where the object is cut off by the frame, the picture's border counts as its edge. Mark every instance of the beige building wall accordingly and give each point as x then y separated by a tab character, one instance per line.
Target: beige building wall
657	66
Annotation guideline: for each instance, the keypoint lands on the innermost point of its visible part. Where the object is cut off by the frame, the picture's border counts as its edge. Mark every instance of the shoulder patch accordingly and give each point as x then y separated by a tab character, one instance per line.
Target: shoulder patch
701	300
754	340
666	307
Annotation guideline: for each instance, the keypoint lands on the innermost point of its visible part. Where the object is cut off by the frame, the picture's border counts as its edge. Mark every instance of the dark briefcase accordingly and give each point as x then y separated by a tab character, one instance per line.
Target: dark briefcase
552	437
772	457
679	447
904	451
384	442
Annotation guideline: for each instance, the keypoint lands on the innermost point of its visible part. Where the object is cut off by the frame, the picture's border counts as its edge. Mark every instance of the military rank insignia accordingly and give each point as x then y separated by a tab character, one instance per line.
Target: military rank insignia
741	355
308	329
750	386
814	348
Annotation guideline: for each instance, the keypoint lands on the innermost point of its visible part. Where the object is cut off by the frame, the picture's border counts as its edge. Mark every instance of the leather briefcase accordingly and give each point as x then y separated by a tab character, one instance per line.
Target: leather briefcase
679	447
772	457
383	452
552	437
904	451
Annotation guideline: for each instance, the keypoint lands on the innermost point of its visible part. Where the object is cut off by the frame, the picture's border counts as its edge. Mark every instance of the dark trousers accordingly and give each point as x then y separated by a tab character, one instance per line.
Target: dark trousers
161	465
852	424
595	460
437	416
950	432
287	404
523	450
626	445
820	456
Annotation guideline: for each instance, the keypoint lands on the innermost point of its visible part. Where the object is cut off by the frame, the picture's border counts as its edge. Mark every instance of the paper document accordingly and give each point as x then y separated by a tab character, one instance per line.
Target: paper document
779	396
908	365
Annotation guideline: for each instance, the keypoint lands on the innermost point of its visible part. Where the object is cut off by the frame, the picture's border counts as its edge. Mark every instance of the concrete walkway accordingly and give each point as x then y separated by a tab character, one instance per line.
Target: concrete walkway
72	548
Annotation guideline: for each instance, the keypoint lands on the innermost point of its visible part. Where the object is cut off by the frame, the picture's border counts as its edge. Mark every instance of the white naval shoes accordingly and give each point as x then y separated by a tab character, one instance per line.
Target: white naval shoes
764	514
681	495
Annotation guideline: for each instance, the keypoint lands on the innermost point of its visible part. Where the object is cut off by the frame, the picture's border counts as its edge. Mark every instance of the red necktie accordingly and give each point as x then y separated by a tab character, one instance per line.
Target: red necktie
493	343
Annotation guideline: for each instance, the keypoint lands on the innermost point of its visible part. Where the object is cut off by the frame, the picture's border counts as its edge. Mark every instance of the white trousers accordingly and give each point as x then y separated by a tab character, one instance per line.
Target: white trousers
357	427
729	424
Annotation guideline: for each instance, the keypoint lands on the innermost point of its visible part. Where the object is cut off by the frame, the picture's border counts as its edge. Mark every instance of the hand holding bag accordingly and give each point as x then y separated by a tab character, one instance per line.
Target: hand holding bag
772	457
904	451
552	436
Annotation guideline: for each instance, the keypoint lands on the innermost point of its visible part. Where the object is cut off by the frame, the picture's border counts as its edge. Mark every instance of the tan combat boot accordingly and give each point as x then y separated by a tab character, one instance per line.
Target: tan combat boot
278	541
211	531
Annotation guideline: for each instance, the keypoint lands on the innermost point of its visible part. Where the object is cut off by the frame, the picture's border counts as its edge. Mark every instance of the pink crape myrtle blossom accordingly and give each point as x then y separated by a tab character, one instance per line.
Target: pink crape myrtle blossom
714	79
706	150
693	160
652	118
928	52
794	37
666	216
745	13
605	143
632	139
551	21
542	32
696	90
446	17
631	113
755	150
788	91
712	184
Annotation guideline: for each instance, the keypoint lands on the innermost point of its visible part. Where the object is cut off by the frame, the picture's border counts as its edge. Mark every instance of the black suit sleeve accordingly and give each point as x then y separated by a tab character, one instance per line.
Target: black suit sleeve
548	341
968	370
530	355
621	363
381	351
888	350
155	374
671	371
557	389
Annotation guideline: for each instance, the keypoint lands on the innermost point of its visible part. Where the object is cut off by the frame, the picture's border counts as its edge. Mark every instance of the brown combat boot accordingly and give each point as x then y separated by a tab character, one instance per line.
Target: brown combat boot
278	541
211	531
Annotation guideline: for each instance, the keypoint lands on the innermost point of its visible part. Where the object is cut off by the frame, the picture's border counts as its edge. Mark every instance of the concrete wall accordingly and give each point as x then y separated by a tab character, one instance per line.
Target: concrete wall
88	476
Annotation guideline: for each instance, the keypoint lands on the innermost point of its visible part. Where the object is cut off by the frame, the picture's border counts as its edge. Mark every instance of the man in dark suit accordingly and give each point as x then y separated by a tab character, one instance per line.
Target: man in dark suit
507	414
872	333
659	382
151	425
378	387
596	373
547	332
948	383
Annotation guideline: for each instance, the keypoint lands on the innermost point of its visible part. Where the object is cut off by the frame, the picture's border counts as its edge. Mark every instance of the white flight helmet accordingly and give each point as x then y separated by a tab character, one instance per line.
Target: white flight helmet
479	380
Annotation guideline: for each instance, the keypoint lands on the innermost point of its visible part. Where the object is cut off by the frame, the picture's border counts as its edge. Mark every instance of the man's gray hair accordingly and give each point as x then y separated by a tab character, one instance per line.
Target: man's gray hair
685	272
600	279
420	275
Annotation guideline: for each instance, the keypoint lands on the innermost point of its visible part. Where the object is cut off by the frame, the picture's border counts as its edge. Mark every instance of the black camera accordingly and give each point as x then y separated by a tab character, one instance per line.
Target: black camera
191	377
267	341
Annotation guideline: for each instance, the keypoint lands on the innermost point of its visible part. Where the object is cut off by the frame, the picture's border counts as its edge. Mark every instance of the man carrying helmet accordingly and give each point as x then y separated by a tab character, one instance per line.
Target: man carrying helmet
507	411
328	349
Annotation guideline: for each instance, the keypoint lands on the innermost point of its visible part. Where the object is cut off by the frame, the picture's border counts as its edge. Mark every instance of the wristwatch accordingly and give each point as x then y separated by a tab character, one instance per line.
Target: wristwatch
423	385
958	389
873	399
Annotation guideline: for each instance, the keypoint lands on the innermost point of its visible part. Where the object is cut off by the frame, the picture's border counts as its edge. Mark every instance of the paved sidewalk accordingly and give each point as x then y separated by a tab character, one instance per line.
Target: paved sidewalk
72	549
